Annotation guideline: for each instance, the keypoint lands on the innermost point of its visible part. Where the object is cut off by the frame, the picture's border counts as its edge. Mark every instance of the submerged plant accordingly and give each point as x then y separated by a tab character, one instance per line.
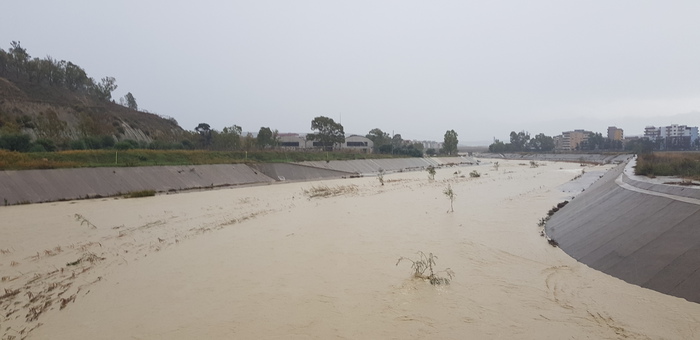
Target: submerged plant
424	264
451	195
326	191
140	193
380	176
84	220
431	172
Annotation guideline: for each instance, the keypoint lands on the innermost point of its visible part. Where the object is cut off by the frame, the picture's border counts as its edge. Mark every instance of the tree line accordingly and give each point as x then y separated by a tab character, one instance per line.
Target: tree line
523	142
16	64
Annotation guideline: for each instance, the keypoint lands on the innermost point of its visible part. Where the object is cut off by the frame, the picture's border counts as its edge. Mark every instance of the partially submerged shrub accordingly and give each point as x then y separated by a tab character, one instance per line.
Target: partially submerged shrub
451	195
431	172
424	264
380	176
474	174
326	191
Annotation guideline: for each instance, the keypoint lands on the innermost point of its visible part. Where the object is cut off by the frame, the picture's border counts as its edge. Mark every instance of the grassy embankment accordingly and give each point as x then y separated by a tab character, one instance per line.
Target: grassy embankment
681	164
108	158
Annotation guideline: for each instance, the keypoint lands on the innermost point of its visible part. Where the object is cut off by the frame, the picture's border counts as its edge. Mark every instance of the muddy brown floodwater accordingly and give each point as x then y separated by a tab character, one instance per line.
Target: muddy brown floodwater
271	262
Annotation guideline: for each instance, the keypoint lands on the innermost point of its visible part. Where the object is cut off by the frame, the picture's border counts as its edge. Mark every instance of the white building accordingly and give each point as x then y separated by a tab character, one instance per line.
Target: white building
360	143
298	141
674	136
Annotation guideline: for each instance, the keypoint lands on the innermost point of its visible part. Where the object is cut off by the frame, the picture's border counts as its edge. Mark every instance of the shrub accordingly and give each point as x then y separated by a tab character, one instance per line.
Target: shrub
77	145
15	142
122	145
48	144
141	193
37	148
451	195
107	142
425	263
474	174
431	172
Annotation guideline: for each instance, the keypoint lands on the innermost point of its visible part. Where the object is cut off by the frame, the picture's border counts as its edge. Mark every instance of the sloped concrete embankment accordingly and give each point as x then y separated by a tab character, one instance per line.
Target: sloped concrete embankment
34	186
298	172
561	157
645	234
373	166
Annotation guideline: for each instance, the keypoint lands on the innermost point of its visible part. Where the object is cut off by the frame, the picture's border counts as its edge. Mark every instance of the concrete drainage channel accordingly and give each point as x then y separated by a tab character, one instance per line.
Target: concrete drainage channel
37	186
645	234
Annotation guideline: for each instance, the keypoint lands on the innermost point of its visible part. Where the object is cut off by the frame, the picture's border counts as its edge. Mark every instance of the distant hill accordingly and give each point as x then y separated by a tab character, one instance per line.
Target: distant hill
62	115
54	102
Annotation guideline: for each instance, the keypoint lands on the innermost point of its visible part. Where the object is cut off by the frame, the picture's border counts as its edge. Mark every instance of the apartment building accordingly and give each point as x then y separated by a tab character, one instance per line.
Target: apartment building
615	134
571	140
674	136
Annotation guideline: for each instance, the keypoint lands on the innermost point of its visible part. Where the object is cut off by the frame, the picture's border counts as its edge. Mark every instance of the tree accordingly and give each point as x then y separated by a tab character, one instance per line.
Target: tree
104	89
497	146
541	142
329	132
449	146
18	58
379	138
595	142
131	101
519	141
204	131
228	139
75	77
248	142
266	138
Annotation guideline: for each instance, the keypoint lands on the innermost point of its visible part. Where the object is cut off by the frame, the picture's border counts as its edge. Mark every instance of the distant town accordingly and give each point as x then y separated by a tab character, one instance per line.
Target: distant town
663	138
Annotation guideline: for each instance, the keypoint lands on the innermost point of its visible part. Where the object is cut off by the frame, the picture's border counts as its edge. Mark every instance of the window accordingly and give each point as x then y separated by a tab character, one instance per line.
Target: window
295	144
357	143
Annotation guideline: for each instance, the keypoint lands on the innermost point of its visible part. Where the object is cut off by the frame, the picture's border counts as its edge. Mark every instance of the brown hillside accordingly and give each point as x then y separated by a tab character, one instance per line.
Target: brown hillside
62	115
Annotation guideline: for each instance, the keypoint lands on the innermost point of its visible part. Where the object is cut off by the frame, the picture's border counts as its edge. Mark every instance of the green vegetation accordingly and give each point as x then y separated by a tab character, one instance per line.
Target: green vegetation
521	141
329	132
449	146
395	145
451	195
425	263
140	193
326	191
681	164
431	172
12	160
474	174
380	176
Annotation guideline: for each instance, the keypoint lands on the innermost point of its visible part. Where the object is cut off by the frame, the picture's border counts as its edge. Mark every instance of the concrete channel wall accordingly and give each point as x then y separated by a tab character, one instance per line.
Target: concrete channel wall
35	186
560	157
643	233
372	166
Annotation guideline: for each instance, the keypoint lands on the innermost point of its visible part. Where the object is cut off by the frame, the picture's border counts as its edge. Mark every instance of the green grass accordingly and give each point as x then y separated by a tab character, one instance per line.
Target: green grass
109	158
681	164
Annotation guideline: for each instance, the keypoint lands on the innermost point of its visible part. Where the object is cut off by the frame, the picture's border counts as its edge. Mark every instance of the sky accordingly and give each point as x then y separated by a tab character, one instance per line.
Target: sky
415	68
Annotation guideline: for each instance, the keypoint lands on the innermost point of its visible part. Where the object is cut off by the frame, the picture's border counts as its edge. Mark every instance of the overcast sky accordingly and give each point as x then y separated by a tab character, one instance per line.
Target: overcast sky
418	68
